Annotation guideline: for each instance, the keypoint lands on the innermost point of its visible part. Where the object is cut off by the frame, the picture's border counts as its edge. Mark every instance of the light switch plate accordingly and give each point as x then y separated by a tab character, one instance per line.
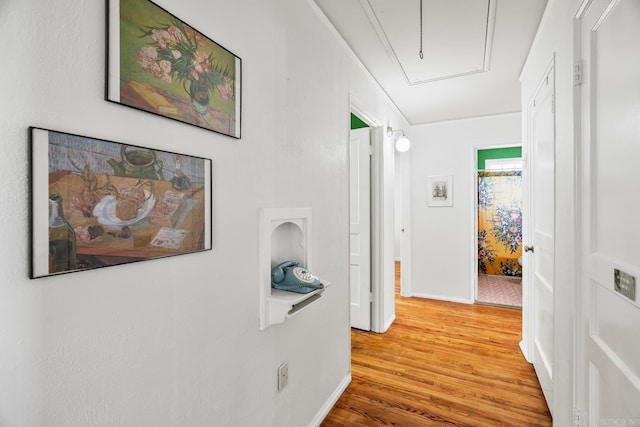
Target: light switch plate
283	376
625	284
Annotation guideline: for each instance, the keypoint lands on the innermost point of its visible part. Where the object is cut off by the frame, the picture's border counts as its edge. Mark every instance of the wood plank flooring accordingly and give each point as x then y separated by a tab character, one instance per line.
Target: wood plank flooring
442	364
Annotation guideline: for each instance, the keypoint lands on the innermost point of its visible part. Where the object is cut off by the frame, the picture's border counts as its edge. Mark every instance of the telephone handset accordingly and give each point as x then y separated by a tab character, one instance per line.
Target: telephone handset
291	276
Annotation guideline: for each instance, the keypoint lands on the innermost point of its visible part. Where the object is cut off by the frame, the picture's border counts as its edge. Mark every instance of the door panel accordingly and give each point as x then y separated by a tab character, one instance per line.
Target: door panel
609	351
360	239
541	261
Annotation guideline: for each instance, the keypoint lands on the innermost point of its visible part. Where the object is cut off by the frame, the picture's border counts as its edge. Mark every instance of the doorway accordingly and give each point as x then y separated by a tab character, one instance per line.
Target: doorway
360	224
380	293
499	227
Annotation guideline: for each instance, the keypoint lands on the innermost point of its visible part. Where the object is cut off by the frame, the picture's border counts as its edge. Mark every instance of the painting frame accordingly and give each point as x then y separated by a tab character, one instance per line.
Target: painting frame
89	209
158	63
440	191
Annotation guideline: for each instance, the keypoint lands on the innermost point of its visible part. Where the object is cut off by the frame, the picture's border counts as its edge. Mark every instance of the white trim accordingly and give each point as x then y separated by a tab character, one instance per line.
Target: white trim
578	325
523	349
377	135
386	43
377	229
331	401
441	298
405	242
473	282
582	9
359	110
488	43
480	117
388	323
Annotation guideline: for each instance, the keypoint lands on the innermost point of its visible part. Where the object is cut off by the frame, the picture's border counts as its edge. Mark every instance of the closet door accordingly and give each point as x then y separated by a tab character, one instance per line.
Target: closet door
609	348
539	252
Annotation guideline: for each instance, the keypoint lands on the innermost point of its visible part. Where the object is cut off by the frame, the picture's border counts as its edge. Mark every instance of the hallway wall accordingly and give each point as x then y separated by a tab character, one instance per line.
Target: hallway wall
175	342
443	238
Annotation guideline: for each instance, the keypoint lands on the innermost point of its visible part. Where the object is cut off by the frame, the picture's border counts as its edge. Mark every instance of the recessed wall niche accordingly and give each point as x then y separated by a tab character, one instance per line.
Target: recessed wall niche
285	235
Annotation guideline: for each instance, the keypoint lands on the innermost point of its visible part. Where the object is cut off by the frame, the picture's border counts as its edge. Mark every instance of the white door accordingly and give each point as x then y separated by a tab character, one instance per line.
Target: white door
609	332
539	251
360	230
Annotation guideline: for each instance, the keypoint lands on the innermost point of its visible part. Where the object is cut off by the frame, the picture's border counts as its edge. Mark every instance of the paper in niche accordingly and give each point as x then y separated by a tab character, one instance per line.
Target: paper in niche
169	238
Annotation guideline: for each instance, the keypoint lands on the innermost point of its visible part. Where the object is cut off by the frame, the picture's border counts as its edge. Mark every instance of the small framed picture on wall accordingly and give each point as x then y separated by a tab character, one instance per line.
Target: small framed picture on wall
440	190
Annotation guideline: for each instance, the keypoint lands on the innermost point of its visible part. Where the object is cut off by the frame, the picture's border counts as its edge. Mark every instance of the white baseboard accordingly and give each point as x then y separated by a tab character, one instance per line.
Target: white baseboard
389	322
328	405
525	352
441	298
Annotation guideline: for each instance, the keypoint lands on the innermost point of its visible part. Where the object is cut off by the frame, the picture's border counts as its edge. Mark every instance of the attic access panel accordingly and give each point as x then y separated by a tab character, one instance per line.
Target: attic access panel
456	36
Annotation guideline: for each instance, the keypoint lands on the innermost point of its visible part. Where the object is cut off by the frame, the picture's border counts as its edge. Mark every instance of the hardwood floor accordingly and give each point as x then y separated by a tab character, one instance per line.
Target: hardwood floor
442	364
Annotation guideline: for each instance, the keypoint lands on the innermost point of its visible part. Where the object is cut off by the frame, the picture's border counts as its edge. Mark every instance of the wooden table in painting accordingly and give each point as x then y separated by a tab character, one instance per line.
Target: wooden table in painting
170	221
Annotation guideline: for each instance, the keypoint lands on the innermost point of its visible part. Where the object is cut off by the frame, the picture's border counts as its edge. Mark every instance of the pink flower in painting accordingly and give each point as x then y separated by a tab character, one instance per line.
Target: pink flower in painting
147	57
168	38
175	54
176	35
226	89
190	32
513	229
200	62
158	36
165	70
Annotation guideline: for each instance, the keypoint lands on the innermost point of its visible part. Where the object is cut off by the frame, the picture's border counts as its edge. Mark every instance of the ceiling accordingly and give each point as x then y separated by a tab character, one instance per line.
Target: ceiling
472	52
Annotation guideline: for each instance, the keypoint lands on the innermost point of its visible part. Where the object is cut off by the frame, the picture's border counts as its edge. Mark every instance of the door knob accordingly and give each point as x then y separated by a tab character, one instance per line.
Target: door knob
529	249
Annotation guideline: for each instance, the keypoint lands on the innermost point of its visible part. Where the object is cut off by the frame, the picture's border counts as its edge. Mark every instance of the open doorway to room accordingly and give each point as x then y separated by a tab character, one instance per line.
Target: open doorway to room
360	278
499	226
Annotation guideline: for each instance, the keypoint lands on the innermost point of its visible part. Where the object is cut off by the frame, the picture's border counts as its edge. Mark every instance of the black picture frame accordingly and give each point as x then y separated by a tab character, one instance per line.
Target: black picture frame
98	203
158	63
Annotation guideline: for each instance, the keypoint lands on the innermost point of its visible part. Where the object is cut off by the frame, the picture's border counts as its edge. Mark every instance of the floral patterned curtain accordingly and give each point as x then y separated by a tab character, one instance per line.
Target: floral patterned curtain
500	223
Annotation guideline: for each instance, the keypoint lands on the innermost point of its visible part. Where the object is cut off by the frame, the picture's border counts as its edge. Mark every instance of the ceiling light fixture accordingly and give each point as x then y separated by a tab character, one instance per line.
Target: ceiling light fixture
402	143
420	53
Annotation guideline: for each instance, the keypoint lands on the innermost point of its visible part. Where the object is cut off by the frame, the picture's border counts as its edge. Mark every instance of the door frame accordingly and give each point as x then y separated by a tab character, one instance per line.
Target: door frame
378	235
528	322
405	220
360	282
474	202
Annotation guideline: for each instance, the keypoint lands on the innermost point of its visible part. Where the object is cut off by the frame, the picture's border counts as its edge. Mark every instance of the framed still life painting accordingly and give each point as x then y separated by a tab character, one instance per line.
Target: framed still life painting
97	203
160	64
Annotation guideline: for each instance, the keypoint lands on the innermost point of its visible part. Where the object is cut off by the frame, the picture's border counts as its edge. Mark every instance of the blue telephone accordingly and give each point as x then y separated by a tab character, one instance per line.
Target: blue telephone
291	276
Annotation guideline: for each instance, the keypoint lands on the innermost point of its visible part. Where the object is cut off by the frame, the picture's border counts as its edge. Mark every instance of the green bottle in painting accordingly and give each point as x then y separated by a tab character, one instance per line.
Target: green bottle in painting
62	238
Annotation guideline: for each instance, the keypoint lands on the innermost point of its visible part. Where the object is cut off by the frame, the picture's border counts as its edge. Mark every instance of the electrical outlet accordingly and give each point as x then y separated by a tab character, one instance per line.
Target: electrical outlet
283	376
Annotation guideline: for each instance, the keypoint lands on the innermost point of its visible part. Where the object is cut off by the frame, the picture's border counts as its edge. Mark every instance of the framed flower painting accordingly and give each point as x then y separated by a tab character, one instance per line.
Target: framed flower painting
160	64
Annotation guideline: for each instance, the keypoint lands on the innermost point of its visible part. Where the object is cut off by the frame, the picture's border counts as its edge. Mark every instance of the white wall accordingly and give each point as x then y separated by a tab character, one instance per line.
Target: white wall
555	40
175	342
443	238
397	243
